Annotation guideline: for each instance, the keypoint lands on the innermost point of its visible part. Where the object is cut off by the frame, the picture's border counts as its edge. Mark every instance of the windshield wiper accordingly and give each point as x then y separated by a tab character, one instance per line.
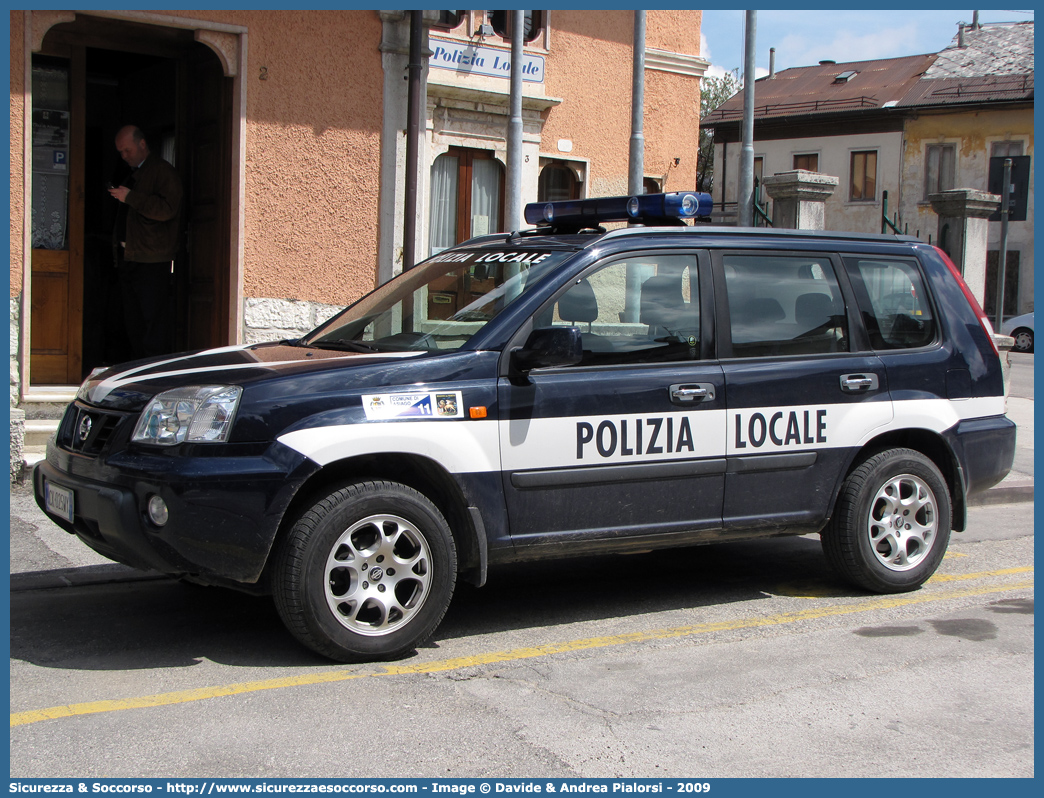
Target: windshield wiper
345	344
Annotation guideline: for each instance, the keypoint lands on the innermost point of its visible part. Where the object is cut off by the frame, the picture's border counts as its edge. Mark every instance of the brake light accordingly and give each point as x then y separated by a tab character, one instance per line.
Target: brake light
983	320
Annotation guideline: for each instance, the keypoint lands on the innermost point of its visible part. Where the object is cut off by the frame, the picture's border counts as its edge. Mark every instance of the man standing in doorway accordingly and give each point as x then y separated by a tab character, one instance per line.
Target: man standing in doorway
145	240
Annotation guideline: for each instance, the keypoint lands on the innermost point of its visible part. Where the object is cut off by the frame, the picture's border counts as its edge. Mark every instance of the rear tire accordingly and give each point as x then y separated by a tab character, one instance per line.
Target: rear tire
891	524
366	573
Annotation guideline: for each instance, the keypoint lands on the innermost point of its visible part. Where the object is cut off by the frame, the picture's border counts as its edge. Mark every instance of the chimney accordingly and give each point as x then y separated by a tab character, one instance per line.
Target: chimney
975	20
827	62
960	35
772	62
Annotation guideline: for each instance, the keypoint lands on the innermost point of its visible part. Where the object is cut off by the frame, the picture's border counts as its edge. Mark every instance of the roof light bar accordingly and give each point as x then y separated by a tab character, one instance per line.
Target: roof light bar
645	208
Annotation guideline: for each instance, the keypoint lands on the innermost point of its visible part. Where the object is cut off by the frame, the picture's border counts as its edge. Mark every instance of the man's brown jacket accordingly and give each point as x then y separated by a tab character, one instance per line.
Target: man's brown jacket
153	214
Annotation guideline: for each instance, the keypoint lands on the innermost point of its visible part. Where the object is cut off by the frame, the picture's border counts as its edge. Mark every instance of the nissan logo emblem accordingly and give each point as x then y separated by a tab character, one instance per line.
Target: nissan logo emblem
85	428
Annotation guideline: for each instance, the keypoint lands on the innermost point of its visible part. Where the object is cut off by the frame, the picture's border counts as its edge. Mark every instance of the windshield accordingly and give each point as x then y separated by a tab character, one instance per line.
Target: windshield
438	305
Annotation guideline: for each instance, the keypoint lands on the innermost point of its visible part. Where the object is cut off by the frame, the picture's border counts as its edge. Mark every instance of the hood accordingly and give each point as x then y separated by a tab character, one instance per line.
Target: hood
130	386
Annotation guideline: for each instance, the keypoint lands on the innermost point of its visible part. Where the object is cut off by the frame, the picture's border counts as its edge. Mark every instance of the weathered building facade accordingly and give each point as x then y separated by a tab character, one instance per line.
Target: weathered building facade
288	129
908	126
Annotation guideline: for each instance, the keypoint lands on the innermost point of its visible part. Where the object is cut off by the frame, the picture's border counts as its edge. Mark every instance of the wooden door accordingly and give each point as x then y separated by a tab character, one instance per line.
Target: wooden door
56	287
204	280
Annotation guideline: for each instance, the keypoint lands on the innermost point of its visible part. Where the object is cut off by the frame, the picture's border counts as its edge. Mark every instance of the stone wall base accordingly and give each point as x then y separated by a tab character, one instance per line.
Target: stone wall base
279	319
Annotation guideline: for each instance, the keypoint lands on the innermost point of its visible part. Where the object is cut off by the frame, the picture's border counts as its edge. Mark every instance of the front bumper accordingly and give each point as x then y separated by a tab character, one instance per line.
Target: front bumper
225	511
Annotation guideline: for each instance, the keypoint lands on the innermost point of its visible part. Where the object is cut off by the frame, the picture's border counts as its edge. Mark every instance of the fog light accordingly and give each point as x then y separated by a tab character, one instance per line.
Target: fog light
158	512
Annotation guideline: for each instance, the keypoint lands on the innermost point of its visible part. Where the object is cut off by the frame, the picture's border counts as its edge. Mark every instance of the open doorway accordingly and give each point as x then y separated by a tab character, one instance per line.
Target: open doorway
92	77
122	88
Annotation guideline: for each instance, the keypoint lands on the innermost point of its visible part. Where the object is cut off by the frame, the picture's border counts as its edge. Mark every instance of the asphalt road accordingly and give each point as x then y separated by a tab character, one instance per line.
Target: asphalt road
743	659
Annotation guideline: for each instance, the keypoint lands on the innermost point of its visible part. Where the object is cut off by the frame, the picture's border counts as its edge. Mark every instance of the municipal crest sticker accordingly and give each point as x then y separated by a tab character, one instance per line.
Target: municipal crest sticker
415	404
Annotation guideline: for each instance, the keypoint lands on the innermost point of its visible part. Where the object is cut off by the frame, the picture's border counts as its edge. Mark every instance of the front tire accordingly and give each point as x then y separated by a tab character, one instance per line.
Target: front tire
366	573
891	524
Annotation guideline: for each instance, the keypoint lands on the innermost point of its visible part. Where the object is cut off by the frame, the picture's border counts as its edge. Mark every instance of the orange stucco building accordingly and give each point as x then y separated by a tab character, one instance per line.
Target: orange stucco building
288	131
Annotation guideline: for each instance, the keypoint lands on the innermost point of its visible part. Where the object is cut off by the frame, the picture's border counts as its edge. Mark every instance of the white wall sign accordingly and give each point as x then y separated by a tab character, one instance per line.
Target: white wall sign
471	59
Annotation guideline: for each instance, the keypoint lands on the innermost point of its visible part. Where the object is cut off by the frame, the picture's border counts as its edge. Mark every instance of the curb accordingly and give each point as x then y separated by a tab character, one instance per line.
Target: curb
1003	494
81	577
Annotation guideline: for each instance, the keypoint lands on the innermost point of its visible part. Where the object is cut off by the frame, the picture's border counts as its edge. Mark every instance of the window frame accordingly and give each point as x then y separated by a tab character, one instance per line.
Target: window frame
450	20
865	174
539	25
798	155
466	156
1007	143
933	182
557	165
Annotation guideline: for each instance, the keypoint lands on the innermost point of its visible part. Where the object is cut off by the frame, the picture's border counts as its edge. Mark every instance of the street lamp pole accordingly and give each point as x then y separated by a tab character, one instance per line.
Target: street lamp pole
513	200
414	106
746	176
636	170
636	164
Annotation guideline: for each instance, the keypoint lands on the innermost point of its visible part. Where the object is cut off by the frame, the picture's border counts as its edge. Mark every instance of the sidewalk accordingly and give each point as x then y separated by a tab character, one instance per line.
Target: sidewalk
1018	485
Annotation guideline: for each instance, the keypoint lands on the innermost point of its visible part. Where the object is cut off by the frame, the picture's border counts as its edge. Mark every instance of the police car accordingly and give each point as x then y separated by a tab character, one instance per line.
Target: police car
556	392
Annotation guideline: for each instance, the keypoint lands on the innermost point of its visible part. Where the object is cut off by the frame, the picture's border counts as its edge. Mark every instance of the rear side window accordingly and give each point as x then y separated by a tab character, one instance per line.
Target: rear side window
893	302
784	305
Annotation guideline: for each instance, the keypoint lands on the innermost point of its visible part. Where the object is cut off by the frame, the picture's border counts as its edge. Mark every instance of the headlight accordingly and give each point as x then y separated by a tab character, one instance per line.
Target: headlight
197	414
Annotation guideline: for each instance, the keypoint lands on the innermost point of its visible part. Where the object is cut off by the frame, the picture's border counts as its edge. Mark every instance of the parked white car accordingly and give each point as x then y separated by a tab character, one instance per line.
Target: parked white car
1021	329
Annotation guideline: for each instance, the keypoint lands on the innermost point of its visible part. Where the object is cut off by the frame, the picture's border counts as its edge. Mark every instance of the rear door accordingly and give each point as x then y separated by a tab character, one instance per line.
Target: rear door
802	392
630	443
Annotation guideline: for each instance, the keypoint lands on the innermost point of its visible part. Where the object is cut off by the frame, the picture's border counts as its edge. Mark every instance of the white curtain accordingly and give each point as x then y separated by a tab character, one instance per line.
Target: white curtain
485	196
443	227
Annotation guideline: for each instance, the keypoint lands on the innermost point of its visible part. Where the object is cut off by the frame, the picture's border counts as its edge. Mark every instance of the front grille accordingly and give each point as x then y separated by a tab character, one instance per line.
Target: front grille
87	430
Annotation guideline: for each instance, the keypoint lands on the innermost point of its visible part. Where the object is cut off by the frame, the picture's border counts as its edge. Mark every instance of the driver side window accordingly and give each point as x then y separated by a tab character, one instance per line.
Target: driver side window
638	310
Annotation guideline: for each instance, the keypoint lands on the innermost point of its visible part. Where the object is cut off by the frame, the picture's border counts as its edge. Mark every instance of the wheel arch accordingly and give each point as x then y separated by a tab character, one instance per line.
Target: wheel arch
931	445
420	473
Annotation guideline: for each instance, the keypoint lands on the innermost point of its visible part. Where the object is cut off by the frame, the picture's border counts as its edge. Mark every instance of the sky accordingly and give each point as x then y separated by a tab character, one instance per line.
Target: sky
804	38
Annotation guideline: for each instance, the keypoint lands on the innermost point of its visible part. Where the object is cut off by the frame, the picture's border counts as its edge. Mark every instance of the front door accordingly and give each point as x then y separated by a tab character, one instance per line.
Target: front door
630	442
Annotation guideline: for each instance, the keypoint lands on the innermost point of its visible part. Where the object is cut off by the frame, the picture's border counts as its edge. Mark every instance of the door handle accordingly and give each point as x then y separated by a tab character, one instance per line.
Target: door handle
691	393
859	383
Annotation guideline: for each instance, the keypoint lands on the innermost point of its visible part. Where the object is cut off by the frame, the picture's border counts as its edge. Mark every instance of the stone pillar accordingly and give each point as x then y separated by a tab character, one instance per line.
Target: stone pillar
963	230
798	198
17	443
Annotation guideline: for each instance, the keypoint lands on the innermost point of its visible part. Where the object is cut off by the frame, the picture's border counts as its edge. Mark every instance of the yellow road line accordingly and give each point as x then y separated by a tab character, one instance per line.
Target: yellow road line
438	666
964	577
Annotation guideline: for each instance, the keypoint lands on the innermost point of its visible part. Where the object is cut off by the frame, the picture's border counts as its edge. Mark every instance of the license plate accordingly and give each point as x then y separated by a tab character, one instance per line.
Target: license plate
59	501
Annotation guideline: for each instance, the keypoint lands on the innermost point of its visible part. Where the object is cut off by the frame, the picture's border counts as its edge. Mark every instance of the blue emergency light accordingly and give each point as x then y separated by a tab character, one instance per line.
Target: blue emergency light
649	209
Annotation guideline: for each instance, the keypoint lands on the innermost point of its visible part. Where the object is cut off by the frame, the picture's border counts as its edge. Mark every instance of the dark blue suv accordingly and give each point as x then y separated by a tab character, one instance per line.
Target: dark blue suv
555	392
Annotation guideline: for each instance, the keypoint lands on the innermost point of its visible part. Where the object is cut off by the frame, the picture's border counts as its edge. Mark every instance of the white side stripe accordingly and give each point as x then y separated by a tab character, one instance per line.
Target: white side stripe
464	447
460	447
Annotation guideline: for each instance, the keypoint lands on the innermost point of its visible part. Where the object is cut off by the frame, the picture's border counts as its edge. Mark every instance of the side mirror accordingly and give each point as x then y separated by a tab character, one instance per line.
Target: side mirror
549	346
